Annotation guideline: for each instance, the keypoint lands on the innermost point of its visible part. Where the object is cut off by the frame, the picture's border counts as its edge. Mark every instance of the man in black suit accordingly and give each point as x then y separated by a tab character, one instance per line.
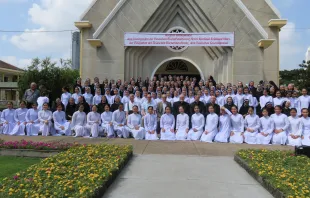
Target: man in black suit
200	104
185	105
217	108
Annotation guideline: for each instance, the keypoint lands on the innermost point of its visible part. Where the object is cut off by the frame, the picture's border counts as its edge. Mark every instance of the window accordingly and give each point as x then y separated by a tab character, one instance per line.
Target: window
178	65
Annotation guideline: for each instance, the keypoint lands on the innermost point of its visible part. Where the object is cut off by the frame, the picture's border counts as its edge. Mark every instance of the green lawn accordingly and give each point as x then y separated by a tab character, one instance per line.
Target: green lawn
11	165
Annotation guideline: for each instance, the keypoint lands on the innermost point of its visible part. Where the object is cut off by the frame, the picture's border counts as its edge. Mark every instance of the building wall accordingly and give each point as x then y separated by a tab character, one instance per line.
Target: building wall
245	62
76	50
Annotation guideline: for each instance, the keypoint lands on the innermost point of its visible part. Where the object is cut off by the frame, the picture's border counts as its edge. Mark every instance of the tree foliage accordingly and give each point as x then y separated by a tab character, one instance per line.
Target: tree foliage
300	77
48	76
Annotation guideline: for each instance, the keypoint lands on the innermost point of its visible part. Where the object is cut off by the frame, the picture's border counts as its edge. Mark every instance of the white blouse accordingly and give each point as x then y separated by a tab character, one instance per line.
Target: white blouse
280	121
45	115
252	122
109	99
8	115
20	115
89	98
305	125
93	117
167	121
78	119
264	99
303	102
266	125
96	99
239	98
59	118
295	127
225	123
65	98
237	123
106	117
76	96
212	122
150	122
182	121
134	119
32	115
278	101
119	117
198	121
41	100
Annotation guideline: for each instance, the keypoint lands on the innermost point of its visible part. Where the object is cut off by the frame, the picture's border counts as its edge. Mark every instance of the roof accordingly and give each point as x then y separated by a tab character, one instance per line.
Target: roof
9	66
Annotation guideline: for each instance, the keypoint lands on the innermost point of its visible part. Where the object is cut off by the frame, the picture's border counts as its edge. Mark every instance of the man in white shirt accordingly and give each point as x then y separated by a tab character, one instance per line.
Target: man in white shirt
125	98
146	104
130	104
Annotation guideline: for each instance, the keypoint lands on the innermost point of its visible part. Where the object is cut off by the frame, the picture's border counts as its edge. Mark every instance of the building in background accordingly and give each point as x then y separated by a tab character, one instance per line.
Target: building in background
76	50
9	76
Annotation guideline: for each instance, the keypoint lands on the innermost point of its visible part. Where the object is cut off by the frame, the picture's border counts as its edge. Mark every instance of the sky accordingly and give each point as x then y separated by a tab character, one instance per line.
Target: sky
28	16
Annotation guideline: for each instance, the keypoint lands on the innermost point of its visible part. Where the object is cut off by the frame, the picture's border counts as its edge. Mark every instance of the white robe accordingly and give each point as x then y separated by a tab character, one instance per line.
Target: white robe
198	123
263	101
65	99
119	117
8	116
278	101
76	96
280	122
97	99
78	123
167	122
19	116
41	100
135	120
224	129
32	129
211	127
220	101
303	102
89	98
93	123
266	127
305	131
295	128
59	118
150	124
237	126
252	122
106	119
45	115
182	124
240	98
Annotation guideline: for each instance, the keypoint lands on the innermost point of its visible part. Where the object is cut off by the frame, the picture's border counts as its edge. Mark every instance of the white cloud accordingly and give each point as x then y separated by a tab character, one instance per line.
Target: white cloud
21	63
51	15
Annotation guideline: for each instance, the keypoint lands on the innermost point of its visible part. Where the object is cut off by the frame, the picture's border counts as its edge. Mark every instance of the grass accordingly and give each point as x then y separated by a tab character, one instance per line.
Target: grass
10	165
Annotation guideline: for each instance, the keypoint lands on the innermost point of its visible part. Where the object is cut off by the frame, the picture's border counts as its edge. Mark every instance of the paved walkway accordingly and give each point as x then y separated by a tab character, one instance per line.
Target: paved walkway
158	147
183	176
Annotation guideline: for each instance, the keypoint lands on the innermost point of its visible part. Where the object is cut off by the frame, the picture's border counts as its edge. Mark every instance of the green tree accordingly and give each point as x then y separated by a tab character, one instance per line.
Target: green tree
49	76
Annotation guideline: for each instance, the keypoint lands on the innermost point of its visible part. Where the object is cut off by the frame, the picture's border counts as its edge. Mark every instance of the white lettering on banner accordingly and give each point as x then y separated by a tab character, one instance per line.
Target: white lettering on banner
142	39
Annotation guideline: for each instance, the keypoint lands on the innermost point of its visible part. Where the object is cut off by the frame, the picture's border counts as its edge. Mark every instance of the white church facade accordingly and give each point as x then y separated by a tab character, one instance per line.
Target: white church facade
255	55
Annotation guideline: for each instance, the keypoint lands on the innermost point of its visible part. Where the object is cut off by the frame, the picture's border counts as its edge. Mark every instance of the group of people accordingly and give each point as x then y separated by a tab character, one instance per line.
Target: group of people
167	108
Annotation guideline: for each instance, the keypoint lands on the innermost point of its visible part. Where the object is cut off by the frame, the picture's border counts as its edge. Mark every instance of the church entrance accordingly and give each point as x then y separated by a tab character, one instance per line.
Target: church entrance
178	67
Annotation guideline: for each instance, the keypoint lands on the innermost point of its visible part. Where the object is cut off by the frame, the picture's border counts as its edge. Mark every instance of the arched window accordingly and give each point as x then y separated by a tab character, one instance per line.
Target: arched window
177	65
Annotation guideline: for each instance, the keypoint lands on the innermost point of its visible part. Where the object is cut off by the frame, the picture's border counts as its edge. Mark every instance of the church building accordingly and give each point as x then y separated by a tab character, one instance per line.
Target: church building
254	56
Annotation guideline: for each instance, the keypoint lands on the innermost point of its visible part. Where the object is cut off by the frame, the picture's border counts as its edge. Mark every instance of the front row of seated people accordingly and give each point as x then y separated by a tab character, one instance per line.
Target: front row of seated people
228	127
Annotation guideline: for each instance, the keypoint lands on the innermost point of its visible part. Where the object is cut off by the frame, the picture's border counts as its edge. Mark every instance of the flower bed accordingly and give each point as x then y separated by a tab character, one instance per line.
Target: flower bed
23	144
280	172
84	171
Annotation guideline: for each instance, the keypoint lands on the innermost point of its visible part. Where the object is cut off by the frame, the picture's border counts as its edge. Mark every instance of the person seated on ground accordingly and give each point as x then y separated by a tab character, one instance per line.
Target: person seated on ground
198	103
251	124
305	138
215	106
224	126
7	119
45	117
20	120
198	123
244	108
150	125
106	122
134	124
237	127
32	119
211	125
167	123
266	128
295	129
182	125
78	122
179	103
93	122
115	105
281	125
61	125
82	101
130	104
70	109
119	120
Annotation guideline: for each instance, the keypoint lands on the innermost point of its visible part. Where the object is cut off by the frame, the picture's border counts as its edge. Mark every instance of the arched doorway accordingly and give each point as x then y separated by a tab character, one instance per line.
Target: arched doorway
178	66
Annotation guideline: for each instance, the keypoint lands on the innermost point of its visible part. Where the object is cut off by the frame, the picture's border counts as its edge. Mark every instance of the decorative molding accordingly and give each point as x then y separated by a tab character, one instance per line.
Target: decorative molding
265	43
95	42
178	65
249	15
82	24
279	23
274	8
87	9
177	30
108	19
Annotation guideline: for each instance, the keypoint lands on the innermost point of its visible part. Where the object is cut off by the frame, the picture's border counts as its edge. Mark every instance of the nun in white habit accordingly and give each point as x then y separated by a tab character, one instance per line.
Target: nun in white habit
224	126
305	139
211	126
266	129
134	124
251	124
237	127
93	123
150	124
7	119
78	122
106	122
33	123
182	125
198	123
45	117
167	123
20	120
295	129
281	125
61	125
119	120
